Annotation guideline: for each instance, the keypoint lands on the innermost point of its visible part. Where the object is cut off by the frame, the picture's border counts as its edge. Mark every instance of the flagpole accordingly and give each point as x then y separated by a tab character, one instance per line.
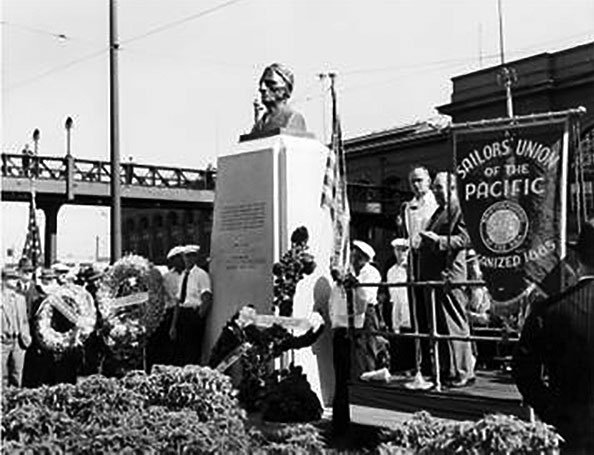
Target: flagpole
507	75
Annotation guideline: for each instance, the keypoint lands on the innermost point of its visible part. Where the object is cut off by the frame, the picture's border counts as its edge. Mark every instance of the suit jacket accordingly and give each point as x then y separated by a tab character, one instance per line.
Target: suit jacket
14	317
448	255
559	336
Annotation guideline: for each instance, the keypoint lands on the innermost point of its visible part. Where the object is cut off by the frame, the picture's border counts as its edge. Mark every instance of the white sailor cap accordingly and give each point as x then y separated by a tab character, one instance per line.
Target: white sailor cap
365	248
58	267
191	249
175	251
400	243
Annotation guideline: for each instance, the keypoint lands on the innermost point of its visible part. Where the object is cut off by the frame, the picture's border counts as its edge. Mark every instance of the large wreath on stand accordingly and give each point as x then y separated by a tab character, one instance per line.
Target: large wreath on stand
130	301
256	340
65	319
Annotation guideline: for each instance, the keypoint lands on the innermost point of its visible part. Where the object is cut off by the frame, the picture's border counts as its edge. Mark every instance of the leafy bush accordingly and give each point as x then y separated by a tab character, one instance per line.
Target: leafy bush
300	439
173	410
492	435
205	391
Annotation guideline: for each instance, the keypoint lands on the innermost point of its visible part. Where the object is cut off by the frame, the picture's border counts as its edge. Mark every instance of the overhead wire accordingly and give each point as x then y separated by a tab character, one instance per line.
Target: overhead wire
39	31
178	22
54	70
153	31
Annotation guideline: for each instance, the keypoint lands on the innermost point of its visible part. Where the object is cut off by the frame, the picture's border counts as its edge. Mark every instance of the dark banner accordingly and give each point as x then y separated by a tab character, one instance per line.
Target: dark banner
510	186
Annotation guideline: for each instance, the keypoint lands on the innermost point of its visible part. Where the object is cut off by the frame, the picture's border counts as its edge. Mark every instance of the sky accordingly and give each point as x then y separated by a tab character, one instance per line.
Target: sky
188	72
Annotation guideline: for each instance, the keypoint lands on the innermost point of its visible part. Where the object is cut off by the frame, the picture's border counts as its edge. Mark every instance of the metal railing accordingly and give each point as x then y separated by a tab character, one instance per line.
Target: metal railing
433	336
83	170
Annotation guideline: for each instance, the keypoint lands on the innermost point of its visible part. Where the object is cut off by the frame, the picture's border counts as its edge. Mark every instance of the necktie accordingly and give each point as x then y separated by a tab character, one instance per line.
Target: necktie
184	288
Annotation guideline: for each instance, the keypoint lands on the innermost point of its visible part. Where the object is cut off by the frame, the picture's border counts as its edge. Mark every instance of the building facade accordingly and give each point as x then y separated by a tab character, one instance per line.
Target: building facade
153	232
378	164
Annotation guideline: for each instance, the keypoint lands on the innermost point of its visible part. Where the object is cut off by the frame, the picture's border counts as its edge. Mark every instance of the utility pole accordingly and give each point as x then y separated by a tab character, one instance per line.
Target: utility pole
114	131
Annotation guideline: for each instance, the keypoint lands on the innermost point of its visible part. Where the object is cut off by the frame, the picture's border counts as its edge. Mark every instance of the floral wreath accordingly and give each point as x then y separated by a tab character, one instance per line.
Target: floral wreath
65	319
291	268
130	301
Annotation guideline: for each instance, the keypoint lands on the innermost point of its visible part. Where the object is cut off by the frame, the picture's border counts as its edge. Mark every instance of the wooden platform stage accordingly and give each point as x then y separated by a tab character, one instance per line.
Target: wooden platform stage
388	403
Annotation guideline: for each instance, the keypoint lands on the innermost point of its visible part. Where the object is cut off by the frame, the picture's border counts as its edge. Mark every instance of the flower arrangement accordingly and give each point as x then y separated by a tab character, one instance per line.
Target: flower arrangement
294	264
130	301
65	319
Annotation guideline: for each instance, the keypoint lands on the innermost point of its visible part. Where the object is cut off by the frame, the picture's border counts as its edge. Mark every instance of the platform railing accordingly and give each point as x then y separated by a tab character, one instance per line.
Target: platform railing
432	335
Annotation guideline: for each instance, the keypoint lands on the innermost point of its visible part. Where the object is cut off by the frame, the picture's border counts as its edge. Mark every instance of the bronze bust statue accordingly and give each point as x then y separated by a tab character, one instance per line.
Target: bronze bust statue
276	86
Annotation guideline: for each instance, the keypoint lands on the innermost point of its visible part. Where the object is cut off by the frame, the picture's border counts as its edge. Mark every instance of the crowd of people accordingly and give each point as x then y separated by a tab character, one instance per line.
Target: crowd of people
432	245
177	341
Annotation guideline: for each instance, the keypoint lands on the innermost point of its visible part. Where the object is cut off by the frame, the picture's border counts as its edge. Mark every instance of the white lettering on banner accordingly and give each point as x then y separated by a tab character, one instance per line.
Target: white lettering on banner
540	251
514	260
504	188
500	262
477	157
545	156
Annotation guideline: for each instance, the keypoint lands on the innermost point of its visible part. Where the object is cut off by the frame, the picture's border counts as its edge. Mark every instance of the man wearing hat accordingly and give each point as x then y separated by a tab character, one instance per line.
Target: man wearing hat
558	336
276	86
364	299
16	337
195	300
402	349
162	346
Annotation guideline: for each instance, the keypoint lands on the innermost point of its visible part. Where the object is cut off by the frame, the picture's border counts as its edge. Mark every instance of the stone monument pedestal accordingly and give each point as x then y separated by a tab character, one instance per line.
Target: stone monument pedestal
266	189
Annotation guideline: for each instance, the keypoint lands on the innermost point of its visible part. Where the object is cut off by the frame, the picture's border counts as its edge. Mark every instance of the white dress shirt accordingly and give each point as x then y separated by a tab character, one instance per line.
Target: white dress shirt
399	297
417	214
198	284
362	297
171	283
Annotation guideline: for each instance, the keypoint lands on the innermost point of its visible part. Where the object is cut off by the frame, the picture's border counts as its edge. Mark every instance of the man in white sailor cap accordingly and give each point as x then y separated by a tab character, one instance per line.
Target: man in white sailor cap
364	299
161	349
195	300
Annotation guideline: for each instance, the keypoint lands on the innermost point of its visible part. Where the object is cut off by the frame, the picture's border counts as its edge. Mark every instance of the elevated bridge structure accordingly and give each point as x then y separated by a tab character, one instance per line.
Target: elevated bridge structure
66	180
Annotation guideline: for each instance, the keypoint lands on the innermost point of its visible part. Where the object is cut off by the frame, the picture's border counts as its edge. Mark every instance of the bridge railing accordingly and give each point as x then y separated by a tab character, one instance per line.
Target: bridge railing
83	170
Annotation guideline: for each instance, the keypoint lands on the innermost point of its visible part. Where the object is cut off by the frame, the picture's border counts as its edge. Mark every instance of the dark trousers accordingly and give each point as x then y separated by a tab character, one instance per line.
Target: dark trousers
160	348
423	315
188	347
341	355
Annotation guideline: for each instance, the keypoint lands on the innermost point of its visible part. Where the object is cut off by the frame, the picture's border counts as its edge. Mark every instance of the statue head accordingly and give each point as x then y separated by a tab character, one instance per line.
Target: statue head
276	85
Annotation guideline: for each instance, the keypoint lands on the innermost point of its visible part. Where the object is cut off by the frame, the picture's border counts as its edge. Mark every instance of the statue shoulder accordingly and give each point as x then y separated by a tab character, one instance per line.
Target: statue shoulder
296	121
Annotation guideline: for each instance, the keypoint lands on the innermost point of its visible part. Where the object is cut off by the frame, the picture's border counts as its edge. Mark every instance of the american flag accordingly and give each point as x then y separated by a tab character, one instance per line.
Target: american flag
334	193
32	248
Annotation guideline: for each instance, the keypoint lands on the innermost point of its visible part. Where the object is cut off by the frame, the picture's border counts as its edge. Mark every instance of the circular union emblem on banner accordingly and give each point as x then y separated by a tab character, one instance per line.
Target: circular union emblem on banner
504	226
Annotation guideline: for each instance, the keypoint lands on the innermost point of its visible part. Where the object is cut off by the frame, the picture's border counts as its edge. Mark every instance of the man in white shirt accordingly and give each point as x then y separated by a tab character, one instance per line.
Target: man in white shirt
195	300
416	214
402	350
418	211
364	299
398	273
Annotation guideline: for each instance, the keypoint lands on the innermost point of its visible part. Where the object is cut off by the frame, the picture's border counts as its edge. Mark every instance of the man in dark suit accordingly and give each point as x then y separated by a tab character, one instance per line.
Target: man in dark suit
558	337
442	255
16	337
